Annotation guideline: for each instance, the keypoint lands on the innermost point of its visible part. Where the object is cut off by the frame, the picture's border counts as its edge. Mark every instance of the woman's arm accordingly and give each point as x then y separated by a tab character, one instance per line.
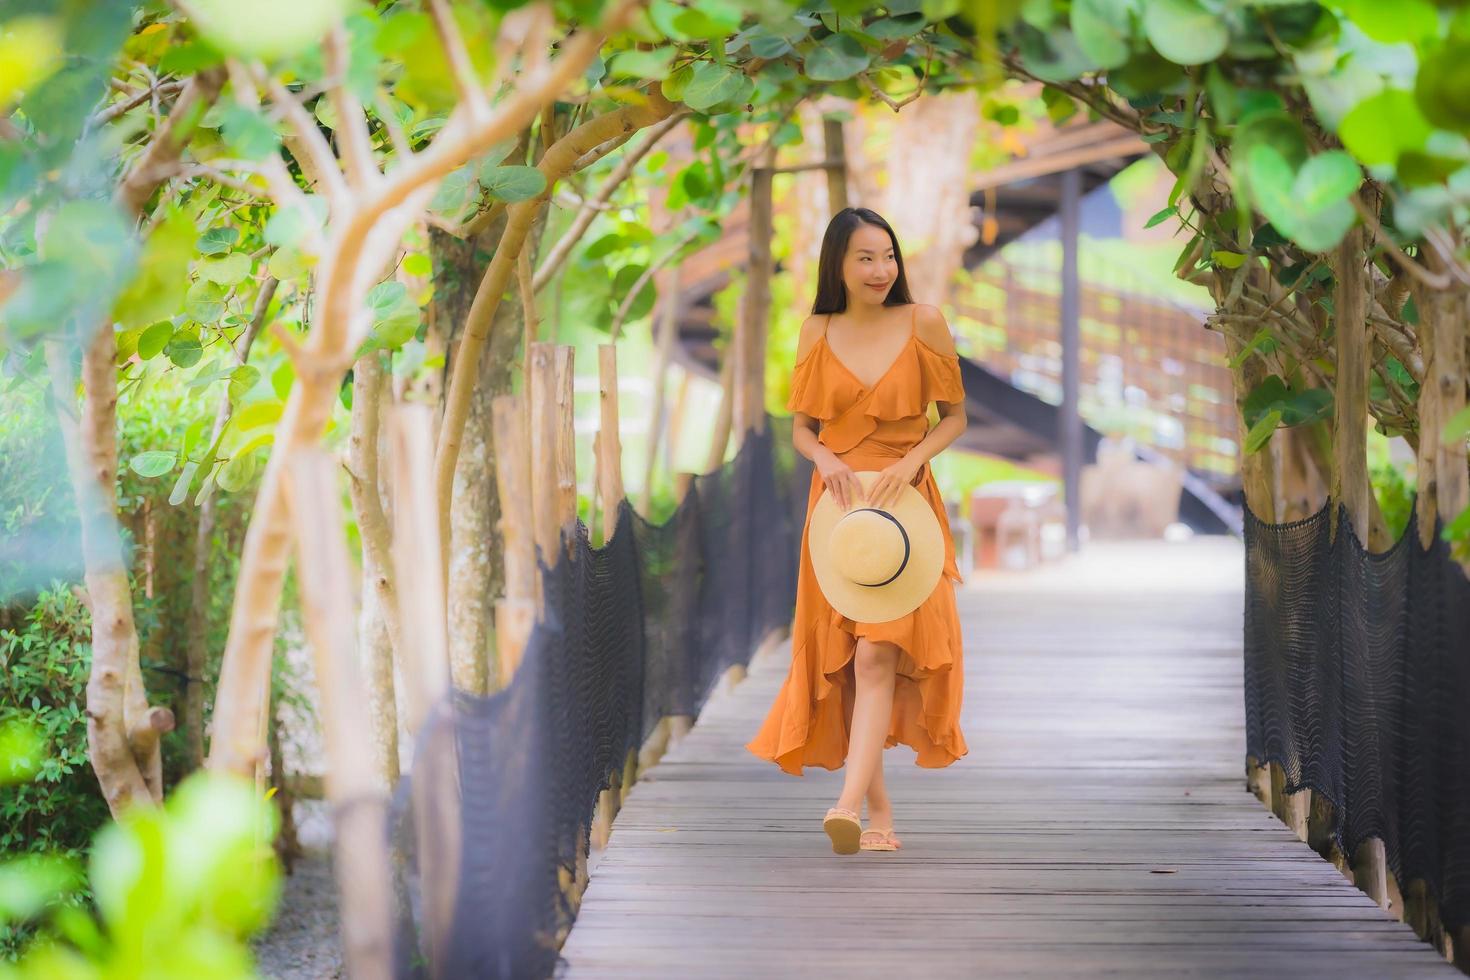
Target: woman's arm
933	330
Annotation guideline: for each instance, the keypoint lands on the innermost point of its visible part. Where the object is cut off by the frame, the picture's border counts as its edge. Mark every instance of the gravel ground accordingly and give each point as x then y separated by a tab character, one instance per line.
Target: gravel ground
304	942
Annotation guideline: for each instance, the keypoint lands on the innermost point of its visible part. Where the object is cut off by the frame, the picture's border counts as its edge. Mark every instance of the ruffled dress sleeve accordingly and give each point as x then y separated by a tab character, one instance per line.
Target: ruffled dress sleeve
810	391
939	376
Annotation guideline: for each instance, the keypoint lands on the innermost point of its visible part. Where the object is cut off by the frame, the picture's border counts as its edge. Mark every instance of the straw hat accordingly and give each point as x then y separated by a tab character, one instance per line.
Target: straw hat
876	564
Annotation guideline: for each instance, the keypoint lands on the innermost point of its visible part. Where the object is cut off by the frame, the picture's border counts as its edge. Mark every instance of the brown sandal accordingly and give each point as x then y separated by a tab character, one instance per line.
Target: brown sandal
879	840
844	827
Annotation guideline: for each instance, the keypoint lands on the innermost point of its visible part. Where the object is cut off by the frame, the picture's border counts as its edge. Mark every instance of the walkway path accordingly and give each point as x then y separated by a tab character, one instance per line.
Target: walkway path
1100	824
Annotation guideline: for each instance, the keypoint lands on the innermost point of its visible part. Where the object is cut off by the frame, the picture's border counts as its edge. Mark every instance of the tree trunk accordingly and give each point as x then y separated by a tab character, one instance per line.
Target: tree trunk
1443	478
755	306
473	537
520	217
122	730
930	144
380	638
476	572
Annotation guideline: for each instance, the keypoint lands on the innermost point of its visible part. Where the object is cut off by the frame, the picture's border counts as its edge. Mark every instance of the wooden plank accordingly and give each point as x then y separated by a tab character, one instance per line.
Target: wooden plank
1101	822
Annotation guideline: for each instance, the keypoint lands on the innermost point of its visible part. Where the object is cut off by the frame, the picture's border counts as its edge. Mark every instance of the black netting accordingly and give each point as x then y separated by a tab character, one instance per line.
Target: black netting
640	628
1357	682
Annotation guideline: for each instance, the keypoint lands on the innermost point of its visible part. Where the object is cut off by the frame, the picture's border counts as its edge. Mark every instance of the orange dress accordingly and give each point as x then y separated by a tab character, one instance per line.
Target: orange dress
868	428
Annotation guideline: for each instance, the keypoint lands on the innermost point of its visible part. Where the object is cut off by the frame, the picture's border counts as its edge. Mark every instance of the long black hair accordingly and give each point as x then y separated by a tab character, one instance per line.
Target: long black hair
831	290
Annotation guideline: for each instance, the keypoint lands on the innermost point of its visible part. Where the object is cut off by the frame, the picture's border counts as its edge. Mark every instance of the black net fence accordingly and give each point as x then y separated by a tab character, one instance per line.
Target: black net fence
1357	683
640	628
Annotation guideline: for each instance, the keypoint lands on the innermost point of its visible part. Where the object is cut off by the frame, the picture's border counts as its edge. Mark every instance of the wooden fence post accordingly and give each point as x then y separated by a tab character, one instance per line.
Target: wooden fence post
543	427
1350	485
418	560
1256	474
515	614
566	446
364	874
609	455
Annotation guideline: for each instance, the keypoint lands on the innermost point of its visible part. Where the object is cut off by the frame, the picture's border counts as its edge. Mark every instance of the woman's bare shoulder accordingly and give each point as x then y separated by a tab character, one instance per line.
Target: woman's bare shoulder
811	331
933	329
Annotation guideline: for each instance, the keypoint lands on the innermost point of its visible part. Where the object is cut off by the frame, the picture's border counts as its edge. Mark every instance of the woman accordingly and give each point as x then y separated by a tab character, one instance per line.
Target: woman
868	363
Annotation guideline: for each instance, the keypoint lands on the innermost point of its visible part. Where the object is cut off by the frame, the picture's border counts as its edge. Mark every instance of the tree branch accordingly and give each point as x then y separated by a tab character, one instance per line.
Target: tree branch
310	148
460	65
162	155
563	247
553	165
352	133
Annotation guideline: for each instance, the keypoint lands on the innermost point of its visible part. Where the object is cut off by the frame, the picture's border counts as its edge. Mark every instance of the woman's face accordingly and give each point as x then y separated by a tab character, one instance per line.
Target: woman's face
869	269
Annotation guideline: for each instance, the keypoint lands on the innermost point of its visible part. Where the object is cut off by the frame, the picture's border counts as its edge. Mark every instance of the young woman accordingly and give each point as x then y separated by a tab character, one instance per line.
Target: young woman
868	363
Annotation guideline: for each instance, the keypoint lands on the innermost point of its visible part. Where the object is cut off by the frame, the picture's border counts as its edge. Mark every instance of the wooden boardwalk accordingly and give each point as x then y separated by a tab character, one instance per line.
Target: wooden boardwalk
1100	824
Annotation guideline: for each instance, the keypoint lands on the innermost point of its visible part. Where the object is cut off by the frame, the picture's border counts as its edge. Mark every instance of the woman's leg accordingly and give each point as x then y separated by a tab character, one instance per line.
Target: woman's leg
874	665
880	808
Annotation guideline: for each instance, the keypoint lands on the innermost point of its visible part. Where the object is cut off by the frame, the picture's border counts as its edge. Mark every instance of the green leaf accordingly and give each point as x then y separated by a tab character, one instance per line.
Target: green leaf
189	58
1184	31
1260	433
712	84
288	263
180	491
1267	394
155	462
677	84
1381	128
1420	169
418	264
1228	260
834	58
248	134
184	348
22	749
282	378
236	474
289	225
1458	529
226	269
513	183
1057	57
205	301
1442	86
265	28
1306	406
1161	216
206	486
1457	428
31	882
158	288
257	414
1262	341
646	65
1326	179
1391	23
1103	29
217	241
154	339
242	379
456	192
396	317
1275	190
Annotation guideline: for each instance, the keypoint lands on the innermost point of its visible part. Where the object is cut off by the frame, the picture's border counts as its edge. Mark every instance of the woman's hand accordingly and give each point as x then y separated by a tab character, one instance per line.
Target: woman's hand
839	479
889	484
